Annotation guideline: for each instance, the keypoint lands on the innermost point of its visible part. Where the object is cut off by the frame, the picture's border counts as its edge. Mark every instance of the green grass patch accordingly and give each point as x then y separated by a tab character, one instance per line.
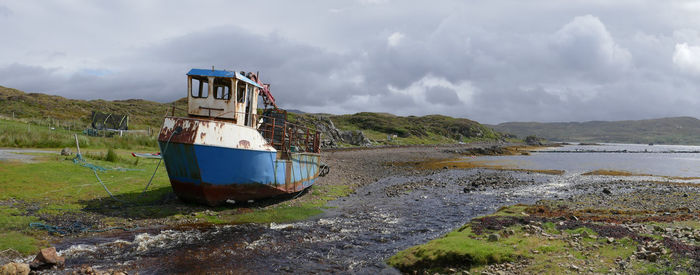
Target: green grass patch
550	228
24	244
457	248
281	214
511	210
19	134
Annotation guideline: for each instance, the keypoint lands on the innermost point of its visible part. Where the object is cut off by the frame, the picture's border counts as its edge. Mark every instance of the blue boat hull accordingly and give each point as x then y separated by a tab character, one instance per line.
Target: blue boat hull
212	174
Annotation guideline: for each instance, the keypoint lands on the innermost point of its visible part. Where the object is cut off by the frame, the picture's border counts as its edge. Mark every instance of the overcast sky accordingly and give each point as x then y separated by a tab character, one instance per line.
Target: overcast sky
490	61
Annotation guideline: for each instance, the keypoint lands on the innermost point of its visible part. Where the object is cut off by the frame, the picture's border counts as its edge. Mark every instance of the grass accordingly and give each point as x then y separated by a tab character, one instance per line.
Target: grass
55	187
22	243
19	134
464	250
456	248
388	129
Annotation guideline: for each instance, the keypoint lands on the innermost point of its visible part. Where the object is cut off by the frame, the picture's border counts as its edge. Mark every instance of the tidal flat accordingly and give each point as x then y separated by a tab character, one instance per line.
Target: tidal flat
379	210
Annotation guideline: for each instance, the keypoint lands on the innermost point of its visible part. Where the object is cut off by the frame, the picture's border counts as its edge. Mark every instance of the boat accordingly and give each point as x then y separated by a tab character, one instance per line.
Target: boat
226	150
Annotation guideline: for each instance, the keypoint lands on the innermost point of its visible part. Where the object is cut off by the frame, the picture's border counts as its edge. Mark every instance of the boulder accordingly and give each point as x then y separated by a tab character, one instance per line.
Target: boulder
14	269
47	258
66	152
355	137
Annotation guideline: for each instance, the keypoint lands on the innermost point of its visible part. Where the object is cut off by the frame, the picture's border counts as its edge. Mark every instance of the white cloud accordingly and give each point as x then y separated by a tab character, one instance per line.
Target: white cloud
394	39
586	44
426	90
687	58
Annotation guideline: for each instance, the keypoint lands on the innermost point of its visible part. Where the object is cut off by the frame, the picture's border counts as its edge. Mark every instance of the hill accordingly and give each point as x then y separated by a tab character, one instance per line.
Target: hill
39	108
673	130
374	128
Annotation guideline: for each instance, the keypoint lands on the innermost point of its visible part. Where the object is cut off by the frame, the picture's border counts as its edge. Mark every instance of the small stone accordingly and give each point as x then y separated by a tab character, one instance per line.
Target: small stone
652	257
15	268
606	191
47	258
611	240
575	268
494	237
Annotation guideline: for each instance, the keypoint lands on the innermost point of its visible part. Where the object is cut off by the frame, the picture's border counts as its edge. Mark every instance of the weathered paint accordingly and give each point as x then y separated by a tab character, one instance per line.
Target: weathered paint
217	166
217	153
213	133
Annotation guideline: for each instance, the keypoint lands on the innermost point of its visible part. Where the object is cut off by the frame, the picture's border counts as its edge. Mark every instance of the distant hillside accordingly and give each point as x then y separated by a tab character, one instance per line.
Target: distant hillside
37	106
380	128
674	130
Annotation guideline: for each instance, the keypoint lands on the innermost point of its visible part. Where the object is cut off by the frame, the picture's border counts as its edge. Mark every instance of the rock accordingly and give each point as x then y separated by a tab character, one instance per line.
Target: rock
533	141
652	257
66	152
606	191
611	240
494	237
47	258
14	269
355	137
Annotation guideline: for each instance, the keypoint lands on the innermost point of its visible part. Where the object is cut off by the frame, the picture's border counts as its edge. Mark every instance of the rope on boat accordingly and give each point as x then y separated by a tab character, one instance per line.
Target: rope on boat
76	227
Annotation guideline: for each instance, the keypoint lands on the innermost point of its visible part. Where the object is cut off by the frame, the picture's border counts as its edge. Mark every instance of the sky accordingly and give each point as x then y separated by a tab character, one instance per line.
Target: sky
490	61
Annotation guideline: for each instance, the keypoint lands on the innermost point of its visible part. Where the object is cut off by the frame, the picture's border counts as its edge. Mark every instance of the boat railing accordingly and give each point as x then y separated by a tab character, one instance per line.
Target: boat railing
281	134
289	137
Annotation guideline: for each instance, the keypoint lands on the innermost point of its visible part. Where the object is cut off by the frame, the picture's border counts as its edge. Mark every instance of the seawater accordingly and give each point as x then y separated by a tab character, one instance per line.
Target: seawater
660	160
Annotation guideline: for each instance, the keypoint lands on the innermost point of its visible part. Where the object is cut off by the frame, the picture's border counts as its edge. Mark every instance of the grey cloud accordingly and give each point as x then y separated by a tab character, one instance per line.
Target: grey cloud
541	60
442	95
5	11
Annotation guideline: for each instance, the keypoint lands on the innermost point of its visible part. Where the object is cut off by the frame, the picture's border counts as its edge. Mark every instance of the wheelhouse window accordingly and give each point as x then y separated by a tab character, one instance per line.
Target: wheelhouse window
222	88
241	92
200	87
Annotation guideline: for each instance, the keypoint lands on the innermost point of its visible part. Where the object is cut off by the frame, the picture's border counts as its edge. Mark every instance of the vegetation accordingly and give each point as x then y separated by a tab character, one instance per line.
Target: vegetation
38	114
19	134
508	236
50	110
675	130
56	191
388	129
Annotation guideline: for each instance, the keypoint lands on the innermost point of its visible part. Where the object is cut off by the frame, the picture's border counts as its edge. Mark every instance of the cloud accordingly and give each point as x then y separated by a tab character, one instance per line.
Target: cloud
687	58
585	44
5	11
491	61
394	39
